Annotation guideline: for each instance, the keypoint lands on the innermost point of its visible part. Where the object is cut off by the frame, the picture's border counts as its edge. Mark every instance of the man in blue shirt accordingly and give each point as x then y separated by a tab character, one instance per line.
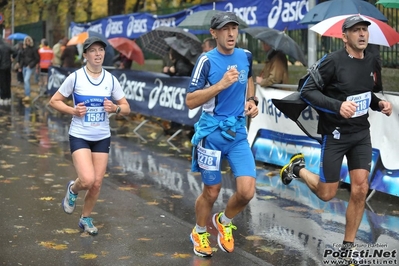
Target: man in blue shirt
222	84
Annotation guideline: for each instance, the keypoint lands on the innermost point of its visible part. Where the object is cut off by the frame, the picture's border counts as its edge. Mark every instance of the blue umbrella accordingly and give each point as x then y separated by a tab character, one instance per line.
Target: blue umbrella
334	8
17	36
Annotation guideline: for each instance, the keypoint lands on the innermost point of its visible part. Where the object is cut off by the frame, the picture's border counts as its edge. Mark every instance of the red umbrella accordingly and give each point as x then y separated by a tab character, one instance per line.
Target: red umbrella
128	48
380	32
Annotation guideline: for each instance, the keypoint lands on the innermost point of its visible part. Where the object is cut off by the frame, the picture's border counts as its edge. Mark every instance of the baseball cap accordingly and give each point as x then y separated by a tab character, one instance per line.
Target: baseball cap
222	18
352	21
90	41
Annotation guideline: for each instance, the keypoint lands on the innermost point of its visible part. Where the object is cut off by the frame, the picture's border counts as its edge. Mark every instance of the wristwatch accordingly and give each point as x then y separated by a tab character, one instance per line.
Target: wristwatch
118	109
253	98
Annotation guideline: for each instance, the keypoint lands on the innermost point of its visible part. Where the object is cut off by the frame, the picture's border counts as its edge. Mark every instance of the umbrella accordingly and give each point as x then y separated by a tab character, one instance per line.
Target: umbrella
389	3
380	32
17	36
201	20
279	41
81	37
184	48
154	41
334	8
128	48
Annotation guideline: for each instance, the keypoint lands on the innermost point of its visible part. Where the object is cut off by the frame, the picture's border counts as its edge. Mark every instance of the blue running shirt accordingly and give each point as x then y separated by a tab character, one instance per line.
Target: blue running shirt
209	70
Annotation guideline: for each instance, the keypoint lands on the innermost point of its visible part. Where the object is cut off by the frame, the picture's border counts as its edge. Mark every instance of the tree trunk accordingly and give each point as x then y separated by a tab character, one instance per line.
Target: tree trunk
116	7
71	14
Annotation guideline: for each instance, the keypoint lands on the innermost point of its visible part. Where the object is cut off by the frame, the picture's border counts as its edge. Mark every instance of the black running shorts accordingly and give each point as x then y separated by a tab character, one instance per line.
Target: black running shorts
95	146
357	149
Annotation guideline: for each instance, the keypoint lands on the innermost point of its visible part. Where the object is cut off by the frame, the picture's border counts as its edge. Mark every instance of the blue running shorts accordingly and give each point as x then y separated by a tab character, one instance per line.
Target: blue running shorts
213	148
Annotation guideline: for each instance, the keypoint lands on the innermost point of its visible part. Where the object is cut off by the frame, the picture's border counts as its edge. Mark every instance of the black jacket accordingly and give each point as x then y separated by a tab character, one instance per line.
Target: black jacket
343	77
6	51
29	57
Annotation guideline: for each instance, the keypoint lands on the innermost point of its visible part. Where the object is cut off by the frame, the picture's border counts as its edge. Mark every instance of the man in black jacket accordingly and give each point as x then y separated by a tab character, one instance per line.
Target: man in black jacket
6	52
28	60
342	105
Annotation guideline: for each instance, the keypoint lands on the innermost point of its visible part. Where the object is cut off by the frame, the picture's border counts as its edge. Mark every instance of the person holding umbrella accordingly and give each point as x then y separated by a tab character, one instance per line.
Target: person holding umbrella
275	70
343	105
222	84
92	88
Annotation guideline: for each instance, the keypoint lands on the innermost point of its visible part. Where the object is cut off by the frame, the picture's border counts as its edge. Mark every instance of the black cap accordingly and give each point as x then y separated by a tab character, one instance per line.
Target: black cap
222	18
90	41
352	21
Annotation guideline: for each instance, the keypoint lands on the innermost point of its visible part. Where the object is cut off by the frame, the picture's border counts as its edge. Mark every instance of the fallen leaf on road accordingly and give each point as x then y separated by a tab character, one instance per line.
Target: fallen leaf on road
47	198
181	255
88	256
253	238
52	245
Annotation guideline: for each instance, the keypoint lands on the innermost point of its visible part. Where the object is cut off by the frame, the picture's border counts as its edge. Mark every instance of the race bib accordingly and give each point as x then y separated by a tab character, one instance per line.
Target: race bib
208	159
94	116
363	103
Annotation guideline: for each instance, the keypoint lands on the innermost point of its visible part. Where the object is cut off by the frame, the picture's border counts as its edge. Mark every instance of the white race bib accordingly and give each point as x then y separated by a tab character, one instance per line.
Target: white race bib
94	116
208	159
363	103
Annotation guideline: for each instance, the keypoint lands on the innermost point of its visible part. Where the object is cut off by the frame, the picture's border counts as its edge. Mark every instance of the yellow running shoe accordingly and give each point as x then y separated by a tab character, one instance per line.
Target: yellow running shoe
287	172
225	233
201	243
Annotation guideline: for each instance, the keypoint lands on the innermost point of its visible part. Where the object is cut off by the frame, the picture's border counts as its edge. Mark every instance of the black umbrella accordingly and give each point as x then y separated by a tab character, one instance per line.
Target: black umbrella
279	41
155	42
293	106
184	48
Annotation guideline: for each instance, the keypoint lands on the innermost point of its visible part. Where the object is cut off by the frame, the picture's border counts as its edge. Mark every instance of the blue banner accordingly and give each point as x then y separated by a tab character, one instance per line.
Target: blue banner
276	14
148	93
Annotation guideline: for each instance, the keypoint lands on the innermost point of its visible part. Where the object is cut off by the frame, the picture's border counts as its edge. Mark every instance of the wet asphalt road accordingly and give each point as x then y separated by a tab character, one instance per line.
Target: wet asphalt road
145	211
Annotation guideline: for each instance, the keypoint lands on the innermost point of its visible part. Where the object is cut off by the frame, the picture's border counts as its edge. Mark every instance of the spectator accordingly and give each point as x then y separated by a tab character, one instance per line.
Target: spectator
181	66
166	64
275	70
19	48
28	60
58	48
208	44
37	72
68	56
6	52
46	56
122	62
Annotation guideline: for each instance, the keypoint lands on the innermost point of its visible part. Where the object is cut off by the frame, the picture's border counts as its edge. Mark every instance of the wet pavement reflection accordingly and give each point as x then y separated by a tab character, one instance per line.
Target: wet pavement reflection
283	225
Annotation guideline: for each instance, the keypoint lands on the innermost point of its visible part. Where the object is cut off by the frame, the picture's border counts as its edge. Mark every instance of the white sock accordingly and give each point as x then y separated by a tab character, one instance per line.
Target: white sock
224	219
200	229
70	190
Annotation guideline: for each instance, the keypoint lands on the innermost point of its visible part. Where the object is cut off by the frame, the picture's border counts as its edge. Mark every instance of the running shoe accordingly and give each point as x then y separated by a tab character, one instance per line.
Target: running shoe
68	204
287	172
201	243
86	223
225	233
